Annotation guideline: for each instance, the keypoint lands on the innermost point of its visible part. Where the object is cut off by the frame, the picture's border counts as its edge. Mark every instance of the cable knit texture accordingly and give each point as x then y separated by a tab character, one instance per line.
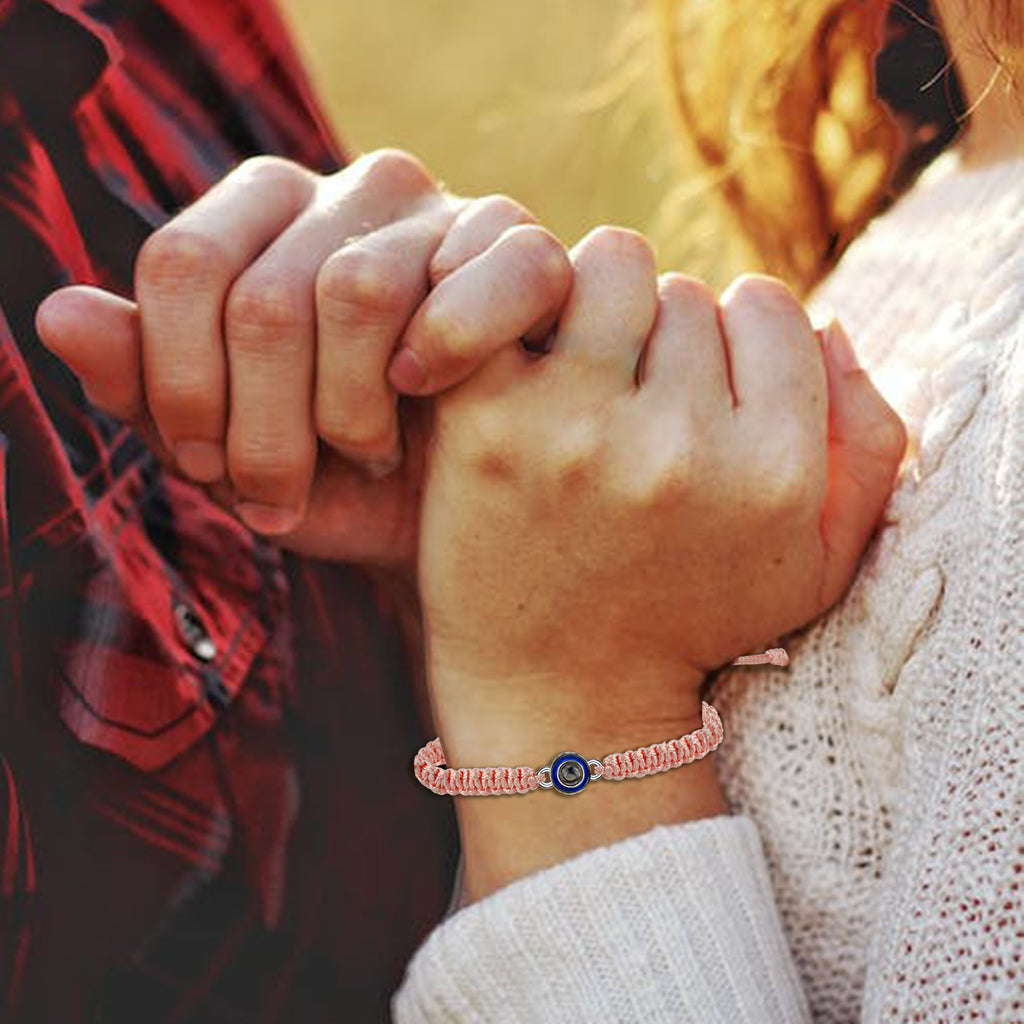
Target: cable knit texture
871	869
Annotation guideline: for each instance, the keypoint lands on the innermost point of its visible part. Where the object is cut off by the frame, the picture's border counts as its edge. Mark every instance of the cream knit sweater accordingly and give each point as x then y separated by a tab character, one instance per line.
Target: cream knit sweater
873	865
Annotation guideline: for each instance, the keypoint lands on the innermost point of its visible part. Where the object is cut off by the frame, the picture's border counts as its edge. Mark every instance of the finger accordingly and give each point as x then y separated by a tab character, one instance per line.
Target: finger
183	273
366	294
778	375
612	307
98	336
491	301
271	442
377	188
270	322
684	363
478	226
867	440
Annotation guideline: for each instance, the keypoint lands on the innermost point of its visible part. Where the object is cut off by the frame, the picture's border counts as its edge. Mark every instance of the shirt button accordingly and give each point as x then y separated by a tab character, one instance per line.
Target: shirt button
193	633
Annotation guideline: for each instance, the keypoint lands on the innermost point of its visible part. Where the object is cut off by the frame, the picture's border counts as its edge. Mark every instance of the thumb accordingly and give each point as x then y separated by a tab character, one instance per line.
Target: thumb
97	334
867	440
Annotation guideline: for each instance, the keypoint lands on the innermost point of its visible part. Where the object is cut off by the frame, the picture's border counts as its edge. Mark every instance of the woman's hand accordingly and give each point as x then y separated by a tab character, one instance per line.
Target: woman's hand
677	483
586	534
255	358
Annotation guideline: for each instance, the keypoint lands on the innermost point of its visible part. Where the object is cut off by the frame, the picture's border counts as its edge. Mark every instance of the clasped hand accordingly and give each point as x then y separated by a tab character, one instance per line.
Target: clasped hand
256	356
677	481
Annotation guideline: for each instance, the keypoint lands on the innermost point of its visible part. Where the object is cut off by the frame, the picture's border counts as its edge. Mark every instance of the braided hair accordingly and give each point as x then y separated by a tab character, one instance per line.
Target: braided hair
813	115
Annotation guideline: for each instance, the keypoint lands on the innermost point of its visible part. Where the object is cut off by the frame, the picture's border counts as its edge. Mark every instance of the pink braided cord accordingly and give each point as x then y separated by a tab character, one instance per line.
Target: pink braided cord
469	781
660	757
428	764
773	656
633	764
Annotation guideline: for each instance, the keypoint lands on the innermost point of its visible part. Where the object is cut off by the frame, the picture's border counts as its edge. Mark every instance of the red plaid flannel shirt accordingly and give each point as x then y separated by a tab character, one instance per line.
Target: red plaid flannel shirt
205	745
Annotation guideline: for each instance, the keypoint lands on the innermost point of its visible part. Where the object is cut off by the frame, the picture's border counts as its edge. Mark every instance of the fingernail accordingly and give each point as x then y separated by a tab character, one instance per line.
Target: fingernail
268	518
408	373
201	460
841	347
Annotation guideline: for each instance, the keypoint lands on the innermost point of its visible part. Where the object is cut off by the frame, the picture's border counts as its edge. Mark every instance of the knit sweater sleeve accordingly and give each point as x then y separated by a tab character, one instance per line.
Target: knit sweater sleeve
673	926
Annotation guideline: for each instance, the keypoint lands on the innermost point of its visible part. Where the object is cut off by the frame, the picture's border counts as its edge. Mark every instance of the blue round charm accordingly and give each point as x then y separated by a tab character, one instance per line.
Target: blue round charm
569	773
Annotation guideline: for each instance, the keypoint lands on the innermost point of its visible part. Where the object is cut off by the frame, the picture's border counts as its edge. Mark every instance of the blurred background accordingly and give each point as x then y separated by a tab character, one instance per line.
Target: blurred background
562	104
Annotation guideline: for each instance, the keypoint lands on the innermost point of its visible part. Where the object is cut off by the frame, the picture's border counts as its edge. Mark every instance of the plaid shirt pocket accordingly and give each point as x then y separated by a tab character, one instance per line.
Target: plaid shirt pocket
153	615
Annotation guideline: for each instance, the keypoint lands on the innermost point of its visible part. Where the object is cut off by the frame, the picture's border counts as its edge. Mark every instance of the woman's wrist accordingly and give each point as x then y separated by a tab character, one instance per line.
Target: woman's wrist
531	716
505	838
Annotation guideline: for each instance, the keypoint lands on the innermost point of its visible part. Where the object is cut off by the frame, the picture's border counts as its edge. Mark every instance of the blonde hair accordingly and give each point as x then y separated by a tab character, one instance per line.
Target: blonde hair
779	99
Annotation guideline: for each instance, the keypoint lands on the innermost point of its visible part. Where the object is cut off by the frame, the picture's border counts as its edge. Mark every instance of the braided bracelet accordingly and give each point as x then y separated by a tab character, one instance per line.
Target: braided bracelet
570	772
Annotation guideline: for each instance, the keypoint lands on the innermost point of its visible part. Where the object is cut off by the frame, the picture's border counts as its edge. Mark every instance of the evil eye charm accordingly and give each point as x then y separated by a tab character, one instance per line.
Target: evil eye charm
570	773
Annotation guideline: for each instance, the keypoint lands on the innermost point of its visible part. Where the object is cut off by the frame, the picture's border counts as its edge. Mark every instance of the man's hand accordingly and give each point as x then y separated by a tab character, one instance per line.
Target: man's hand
256	356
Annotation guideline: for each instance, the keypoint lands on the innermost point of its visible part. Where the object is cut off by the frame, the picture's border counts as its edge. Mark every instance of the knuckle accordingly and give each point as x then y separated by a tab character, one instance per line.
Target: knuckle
361	279
685	290
445	335
544	253
673	477
483	440
270	168
788	487
280	175
354	427
174	257
256	464
623	243
760	290
498	462
258	307
483	220
183	394
662	460
398	170
503	209
677	478
577	456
